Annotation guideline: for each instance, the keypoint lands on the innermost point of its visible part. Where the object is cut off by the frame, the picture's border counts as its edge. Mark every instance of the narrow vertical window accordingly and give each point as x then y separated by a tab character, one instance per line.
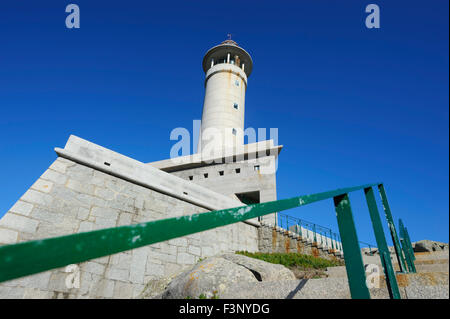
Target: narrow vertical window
234	131
236	106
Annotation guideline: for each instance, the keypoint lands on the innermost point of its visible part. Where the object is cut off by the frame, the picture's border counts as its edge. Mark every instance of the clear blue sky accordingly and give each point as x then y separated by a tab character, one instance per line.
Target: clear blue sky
353	105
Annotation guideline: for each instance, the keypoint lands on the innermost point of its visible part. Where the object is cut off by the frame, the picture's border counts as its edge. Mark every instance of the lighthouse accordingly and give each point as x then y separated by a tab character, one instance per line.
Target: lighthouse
223	163
227	68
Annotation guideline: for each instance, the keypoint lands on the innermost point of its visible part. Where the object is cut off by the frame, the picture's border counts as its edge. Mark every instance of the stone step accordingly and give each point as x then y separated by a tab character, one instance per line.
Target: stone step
432	255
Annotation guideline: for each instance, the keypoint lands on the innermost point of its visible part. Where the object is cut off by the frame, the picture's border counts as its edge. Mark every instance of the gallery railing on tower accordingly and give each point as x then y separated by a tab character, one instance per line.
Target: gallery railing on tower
36	256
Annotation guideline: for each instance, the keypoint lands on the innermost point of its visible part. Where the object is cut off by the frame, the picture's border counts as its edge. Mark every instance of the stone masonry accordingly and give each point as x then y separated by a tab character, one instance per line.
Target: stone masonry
71	198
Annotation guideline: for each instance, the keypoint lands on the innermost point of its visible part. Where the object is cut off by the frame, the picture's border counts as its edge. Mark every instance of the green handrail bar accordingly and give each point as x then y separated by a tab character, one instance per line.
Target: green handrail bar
406	247
352	252
27	258
383	249
390	220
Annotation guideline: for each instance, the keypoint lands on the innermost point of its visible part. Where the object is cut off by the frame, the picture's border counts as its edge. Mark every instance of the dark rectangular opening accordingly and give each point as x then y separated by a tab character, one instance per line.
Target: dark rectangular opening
249	197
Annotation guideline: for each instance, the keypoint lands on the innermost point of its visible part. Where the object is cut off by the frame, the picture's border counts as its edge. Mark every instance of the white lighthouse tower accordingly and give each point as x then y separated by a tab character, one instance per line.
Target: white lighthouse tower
243	171
227	67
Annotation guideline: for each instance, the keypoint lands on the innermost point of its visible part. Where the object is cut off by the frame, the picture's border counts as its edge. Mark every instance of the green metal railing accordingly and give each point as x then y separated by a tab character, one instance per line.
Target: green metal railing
370	246
36	256
407	247
304	229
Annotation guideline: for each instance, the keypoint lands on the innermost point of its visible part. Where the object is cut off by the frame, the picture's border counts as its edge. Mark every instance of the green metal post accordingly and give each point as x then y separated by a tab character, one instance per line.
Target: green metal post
383	249
407	249
390	220
352	252
409	242
405	236
315	237
331	238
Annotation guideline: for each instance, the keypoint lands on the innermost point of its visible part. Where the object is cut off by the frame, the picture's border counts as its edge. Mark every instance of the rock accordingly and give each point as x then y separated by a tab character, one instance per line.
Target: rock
262	270
210	277
214	275
369	252
429	245
155	287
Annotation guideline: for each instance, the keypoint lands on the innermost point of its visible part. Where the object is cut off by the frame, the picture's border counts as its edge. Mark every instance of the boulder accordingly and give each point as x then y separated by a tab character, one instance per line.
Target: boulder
214	275
429	245
263	271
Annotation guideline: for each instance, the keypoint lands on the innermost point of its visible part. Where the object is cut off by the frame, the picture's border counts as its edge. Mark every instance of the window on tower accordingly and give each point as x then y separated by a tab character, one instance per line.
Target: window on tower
236	106
234	131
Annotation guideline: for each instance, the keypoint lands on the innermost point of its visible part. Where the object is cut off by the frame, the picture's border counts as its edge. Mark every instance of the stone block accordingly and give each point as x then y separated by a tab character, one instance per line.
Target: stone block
40	281
138	264
104	212
86	226
122	260
42	185
123	290
124	219
35	197
117	274
93	267
179	242
19	223
35	293
104	288
101	223
80	186
104	193
55	177
22	208
11	292
207	251
185	258
43	214
83	213
8	236
197	251
80	173
155	270
60	166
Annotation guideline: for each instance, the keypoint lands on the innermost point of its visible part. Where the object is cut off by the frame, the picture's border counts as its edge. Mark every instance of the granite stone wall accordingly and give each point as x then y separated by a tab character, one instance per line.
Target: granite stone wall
71	198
